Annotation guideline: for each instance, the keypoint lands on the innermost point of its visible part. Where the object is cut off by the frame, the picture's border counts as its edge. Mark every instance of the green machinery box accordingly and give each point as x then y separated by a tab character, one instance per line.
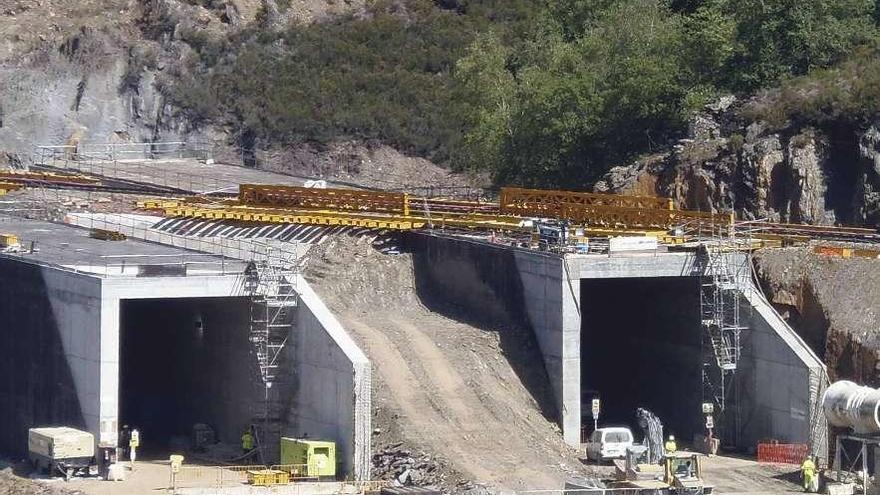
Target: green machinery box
309	457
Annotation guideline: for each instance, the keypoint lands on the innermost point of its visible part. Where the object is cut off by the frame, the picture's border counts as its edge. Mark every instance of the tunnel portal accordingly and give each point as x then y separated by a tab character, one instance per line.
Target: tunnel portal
185	361
640	347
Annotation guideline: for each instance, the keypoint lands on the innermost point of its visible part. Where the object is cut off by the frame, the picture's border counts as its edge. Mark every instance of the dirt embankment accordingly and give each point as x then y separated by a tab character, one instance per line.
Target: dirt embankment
442	387
13	483
833	303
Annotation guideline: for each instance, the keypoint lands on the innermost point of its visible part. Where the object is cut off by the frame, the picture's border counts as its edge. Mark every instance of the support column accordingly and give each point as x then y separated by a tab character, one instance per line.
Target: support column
571	358
109	372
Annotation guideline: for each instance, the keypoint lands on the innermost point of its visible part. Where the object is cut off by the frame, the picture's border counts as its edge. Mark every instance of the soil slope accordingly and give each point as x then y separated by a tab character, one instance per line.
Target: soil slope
441	386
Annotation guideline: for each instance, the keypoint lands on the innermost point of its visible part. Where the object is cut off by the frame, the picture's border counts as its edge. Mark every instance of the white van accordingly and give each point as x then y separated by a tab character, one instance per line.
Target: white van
609	443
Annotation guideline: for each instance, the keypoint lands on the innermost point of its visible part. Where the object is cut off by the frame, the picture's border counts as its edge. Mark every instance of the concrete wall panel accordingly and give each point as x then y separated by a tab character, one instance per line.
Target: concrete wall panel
332	400
49	351
776	376
527	288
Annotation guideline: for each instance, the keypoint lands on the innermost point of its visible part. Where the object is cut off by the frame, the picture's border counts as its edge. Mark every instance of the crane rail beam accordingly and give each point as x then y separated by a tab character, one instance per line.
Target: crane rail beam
48	177
6	187
785	228
618	217
846	252
597	214
329	217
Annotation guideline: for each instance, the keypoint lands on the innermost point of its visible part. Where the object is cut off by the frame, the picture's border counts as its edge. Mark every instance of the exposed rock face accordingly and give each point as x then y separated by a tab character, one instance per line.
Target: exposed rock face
98	70
867	200
832	304
798	175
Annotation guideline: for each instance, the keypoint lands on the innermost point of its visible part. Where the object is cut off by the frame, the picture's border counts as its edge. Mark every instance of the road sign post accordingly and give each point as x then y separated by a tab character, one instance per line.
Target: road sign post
596	409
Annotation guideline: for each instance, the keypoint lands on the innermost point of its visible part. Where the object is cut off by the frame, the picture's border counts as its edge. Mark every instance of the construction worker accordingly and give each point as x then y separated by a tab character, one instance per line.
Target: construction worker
810	477
670	445
133	445
247	441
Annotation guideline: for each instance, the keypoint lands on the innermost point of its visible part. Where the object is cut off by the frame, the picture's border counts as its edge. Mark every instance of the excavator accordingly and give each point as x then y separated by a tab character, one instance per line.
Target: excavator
649	467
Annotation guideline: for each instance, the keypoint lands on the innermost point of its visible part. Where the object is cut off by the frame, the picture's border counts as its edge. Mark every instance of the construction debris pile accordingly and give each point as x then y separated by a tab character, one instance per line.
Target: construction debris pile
395	462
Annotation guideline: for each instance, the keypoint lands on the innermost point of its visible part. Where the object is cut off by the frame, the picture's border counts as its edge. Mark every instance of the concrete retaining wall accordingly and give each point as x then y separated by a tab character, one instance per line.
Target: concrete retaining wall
50	351
524	287
778	379
332	398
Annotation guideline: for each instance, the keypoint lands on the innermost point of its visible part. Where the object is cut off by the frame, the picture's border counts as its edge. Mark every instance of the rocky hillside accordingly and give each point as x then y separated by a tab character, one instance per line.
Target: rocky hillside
799	174
100	71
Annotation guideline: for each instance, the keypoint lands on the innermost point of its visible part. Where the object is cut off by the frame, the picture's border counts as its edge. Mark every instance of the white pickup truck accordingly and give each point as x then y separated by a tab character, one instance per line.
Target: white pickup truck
67	450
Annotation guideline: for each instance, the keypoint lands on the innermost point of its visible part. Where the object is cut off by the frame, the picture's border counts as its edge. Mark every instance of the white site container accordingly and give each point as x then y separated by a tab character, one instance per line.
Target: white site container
67	449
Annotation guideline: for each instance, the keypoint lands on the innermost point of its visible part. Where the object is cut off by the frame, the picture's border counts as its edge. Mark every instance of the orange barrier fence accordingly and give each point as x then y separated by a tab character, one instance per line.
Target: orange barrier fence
783	453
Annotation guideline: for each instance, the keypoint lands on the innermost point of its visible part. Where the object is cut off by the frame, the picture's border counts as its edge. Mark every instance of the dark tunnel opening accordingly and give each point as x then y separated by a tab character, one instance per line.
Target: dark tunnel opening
182	362
640	347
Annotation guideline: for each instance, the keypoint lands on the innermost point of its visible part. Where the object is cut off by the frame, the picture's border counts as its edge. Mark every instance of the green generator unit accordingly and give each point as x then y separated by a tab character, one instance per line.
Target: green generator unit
309	458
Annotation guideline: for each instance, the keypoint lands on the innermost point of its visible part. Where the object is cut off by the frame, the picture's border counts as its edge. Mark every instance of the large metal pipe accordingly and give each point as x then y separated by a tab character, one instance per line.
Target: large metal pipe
849	405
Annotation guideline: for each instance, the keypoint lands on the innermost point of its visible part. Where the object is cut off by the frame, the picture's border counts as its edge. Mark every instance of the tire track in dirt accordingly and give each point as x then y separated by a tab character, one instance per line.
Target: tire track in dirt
487	433
410	395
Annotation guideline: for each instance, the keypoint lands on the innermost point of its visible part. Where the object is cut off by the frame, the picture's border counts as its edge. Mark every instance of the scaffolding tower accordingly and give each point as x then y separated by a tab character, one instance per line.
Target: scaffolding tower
271	284
720	299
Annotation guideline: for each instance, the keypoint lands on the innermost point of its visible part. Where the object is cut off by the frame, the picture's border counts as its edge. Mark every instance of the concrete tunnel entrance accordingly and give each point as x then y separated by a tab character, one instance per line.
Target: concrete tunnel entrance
186	361
640	347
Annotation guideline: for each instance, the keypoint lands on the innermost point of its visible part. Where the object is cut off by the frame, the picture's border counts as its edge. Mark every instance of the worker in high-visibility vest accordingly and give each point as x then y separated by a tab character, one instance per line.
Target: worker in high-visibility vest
670	445
133	444
247	441
809	475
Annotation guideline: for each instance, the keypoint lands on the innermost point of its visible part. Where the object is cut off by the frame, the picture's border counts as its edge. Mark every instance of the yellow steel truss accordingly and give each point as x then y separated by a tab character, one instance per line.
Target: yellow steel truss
335	199
597	214
514	200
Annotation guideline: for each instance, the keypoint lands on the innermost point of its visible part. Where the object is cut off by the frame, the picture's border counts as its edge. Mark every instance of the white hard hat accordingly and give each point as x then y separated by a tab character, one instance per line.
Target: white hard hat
672	437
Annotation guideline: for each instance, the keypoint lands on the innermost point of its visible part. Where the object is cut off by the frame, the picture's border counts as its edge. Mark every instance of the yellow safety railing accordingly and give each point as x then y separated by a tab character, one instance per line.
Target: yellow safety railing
183	476
367	486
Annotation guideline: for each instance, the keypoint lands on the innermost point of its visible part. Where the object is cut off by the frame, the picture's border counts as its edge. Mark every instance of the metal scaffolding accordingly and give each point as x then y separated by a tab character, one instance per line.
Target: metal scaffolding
720	299
271	283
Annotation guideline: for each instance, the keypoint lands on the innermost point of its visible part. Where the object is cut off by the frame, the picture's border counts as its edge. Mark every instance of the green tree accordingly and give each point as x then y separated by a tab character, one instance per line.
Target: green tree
486	82
585	103
710	39
777	38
